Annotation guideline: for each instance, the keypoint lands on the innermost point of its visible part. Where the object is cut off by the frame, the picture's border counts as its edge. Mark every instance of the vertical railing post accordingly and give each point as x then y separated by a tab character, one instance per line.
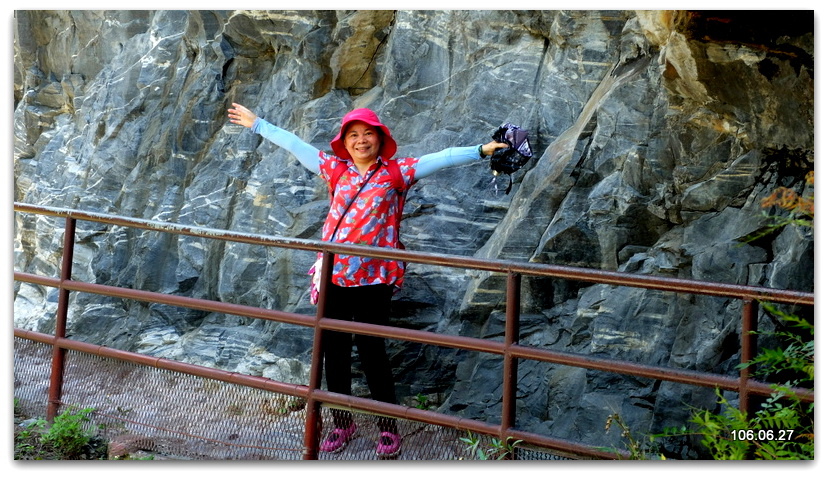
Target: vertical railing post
313	413
59	353
510	363
750	319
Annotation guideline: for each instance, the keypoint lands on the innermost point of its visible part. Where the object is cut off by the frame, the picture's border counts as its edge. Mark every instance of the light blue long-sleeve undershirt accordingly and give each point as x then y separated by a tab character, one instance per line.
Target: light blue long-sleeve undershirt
309	155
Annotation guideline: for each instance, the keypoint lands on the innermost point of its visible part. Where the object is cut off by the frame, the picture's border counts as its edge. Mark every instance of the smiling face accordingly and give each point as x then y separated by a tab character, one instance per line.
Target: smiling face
362	141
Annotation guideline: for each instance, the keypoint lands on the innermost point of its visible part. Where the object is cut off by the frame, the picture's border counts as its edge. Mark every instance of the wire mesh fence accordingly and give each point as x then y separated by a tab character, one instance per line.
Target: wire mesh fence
32	365
139	407
172	415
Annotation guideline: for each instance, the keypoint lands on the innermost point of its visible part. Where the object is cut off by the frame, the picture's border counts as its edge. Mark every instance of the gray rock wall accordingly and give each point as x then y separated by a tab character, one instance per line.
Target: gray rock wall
656	134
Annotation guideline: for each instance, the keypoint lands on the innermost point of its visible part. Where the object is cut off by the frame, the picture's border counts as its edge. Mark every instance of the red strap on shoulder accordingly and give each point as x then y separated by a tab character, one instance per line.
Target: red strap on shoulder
399	185
337	173
394	170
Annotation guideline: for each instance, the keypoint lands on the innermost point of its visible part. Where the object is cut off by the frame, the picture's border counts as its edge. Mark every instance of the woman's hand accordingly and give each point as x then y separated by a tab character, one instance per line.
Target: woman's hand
489	149
238	114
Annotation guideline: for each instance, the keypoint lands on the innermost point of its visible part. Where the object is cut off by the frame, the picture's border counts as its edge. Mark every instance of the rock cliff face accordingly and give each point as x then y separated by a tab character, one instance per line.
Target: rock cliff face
656	134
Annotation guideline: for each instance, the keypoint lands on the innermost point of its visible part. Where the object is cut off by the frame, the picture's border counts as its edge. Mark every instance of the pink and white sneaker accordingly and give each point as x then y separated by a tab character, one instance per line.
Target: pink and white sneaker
389	445
338	438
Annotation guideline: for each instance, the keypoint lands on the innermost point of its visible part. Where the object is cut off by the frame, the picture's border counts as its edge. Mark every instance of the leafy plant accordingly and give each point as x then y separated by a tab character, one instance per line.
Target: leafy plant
795	359
782	429
67	432
64	439
26	439
638	448
422	401
473	445
497	450
503	449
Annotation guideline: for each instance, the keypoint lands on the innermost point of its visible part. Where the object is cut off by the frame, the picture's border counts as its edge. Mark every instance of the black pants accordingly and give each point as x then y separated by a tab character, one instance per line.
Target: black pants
368	304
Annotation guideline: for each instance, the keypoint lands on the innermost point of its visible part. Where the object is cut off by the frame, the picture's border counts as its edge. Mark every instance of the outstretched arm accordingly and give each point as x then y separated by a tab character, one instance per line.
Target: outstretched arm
431	163
305	153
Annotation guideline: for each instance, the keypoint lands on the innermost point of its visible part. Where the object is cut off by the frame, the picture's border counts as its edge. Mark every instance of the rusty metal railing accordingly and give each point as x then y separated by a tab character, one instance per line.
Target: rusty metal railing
509	348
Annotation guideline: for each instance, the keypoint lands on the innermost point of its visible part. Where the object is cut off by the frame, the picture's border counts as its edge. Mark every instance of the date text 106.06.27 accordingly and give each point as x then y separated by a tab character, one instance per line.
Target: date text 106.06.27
762	435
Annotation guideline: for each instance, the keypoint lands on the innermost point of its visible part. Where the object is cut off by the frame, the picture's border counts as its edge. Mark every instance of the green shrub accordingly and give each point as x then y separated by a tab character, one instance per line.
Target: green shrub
68	434
68	437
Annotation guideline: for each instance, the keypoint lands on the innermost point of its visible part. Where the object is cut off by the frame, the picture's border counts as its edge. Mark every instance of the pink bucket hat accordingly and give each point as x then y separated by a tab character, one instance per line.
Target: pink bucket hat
389	146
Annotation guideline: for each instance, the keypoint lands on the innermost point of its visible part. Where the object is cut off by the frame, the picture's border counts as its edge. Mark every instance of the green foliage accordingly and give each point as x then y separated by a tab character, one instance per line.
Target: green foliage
422	401
503	449
473	445
27	439
64	439
497	450
781	430
795	358
67	433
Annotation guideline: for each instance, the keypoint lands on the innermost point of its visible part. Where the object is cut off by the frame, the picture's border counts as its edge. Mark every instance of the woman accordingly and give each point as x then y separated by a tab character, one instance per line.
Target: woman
365	209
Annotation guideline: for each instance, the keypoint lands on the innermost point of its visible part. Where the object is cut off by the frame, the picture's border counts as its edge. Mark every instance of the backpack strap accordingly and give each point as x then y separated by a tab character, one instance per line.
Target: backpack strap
340	169
396	175
399	185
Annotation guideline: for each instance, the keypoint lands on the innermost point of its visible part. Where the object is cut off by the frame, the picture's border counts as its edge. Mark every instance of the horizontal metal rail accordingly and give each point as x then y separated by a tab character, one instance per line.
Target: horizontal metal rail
668	284
508	348
419	336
